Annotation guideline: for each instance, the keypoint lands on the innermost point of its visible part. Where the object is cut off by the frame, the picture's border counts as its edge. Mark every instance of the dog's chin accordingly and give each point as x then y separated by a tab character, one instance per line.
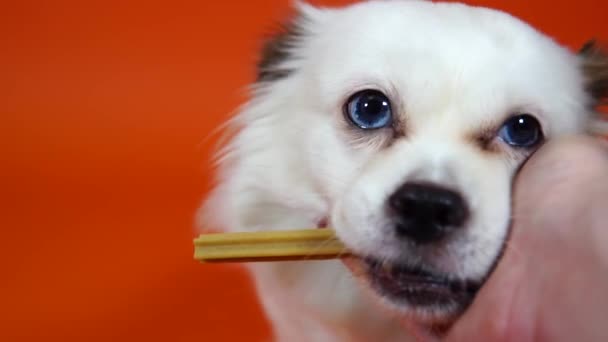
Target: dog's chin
421	295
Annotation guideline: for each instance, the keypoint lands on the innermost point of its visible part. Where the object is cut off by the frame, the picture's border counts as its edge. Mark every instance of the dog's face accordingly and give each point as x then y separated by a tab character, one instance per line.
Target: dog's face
413	118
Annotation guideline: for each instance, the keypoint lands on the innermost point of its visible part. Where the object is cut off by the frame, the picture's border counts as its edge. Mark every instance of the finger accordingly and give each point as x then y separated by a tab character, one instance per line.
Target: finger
509	307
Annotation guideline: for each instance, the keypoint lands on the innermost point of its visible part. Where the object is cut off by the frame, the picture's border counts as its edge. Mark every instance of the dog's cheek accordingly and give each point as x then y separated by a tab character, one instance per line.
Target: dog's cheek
356	223
332	162
359	216
486	236
338	169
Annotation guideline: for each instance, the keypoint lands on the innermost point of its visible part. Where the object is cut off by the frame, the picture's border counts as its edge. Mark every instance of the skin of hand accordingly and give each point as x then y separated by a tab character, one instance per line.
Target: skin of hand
551	283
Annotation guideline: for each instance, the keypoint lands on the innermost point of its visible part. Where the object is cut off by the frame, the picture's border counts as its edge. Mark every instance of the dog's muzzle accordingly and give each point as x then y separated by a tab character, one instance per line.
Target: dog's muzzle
418	287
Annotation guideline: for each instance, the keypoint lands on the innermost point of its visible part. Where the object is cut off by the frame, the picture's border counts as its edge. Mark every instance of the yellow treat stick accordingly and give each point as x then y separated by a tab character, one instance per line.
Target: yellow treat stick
308	244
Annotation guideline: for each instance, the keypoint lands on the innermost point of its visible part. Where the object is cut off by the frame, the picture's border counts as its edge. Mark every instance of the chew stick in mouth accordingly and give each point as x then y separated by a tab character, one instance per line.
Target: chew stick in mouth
308	244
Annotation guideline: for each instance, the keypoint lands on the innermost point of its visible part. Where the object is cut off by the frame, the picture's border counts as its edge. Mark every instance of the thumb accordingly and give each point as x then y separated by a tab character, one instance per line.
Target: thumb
550	267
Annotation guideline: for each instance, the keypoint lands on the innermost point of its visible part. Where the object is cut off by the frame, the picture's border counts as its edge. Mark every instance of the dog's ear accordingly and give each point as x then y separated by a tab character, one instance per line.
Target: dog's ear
595	71
279	48
276	51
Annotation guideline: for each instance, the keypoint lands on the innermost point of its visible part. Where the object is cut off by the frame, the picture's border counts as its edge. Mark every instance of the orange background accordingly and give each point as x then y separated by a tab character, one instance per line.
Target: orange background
105	108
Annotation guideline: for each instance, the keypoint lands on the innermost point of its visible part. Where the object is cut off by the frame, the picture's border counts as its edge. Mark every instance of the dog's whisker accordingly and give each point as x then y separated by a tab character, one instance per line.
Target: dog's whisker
323	244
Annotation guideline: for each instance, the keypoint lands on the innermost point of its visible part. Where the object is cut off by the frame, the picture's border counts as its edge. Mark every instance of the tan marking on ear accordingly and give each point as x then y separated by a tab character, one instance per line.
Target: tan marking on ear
277	48
595	69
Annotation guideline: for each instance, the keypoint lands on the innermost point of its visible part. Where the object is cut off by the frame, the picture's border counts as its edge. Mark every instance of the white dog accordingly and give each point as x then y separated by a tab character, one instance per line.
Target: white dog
400	124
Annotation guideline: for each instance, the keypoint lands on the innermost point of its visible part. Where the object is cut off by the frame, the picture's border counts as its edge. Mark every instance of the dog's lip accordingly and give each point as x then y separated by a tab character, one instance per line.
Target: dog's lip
415	286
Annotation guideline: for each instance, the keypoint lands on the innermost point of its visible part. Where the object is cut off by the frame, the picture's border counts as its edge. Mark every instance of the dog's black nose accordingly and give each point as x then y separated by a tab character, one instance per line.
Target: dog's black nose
426	213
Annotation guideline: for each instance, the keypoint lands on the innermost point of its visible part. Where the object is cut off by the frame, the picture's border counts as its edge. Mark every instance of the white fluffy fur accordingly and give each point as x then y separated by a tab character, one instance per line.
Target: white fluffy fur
450	70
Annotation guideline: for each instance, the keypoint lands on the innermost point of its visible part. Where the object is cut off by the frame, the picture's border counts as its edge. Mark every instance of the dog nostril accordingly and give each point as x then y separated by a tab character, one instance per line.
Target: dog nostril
426	213
450	210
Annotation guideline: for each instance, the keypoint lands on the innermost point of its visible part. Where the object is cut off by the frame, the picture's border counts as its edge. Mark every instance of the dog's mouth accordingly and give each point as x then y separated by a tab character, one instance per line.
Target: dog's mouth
418	288
413	286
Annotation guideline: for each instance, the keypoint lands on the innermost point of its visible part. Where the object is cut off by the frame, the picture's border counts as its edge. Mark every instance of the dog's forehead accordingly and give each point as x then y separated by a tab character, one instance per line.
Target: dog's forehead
438	55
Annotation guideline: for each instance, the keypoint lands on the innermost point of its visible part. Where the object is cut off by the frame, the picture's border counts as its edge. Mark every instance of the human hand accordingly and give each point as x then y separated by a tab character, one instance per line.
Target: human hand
552	281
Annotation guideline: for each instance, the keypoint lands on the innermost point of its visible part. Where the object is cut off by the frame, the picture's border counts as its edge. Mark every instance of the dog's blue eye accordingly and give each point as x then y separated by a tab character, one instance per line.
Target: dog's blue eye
521	131
369	109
